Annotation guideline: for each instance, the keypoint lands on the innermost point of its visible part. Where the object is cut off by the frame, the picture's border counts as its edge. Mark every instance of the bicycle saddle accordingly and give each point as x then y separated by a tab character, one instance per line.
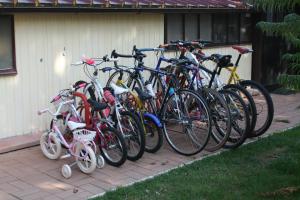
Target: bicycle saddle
142	95
75	125
222	60
96	106
117	89
242	50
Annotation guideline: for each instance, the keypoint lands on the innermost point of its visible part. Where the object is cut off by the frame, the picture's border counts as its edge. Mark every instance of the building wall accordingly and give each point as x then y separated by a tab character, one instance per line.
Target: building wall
46	44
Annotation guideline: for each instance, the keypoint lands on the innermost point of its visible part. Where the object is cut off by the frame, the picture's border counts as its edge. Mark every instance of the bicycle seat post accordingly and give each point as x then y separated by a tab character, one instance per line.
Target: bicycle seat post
214	75
238	60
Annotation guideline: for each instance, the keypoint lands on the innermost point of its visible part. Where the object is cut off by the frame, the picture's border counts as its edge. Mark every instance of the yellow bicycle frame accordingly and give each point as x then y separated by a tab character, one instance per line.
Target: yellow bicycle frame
234	77
138	101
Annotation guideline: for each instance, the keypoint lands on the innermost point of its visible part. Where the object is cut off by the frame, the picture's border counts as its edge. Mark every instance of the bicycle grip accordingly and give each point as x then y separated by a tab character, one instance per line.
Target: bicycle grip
42	111
77	63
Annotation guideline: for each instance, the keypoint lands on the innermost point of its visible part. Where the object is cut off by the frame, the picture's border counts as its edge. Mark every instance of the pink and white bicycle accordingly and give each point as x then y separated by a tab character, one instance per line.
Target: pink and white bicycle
81	143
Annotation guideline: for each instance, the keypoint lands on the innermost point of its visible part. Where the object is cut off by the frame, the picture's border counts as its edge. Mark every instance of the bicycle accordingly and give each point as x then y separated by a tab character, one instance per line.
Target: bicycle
258	93
139	103
81	147
180	110
188	74
125	122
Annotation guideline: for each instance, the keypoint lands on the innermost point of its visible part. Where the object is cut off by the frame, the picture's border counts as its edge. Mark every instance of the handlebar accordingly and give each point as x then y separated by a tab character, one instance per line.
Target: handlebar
92	61
114	55
150	49
40	112
67	92
194	43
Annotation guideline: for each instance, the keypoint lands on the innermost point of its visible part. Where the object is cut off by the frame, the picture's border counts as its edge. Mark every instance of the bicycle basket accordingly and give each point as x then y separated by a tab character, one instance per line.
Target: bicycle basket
84	135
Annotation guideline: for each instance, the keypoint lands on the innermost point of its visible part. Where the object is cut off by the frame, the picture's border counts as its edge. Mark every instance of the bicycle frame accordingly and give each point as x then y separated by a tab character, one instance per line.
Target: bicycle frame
140	107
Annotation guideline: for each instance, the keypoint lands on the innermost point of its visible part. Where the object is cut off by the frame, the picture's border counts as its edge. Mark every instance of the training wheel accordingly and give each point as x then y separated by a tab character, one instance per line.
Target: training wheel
100	162
66	171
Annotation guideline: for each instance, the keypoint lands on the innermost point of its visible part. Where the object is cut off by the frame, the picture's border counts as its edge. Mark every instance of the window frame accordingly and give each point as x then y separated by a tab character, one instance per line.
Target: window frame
11	70
213	15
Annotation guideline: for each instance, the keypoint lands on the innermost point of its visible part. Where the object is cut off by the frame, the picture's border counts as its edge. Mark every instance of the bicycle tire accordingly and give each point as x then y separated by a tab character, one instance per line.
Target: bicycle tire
138	138
270	112
156	133
120	145
195	143
217	106
90	90
250	103
130	78
234	143
89	152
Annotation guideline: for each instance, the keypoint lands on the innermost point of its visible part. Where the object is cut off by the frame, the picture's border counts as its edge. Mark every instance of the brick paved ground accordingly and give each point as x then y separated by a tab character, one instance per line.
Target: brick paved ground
27	174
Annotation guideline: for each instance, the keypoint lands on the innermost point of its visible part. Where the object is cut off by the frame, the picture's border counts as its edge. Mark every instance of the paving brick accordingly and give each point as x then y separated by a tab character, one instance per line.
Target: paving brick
36	195
136	175
27	174
52	197
10	189
6	196
103	184
7	179
92	188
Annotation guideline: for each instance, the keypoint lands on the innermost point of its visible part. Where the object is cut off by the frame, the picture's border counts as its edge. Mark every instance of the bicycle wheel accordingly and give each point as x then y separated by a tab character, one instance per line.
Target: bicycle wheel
264	106
187	123
159	90
85	158
134	135
153	136
50	145
89	93
221	118
239	118
125	77
247	98
112	147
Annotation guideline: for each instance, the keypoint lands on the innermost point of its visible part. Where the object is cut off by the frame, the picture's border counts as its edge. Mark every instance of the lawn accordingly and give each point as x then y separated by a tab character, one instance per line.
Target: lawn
267	169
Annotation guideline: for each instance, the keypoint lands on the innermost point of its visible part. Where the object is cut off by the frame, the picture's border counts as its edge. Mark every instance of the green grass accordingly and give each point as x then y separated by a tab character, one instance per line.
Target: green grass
267	169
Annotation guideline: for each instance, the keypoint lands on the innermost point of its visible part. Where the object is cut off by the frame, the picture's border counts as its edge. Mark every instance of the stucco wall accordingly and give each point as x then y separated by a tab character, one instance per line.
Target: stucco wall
46	44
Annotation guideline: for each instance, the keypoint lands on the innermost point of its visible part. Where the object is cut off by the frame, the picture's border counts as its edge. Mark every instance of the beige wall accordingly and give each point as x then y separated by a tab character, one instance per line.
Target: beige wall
46	44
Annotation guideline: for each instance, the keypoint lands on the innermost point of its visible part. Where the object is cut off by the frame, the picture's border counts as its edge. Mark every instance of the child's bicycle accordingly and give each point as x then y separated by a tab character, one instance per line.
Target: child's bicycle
80	146
124	121
111	144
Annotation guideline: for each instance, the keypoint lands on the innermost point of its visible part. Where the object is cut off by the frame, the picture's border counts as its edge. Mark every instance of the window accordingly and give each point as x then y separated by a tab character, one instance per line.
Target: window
174	27
233	28
245	29
219	28
205	27
191	26
7	59
230	28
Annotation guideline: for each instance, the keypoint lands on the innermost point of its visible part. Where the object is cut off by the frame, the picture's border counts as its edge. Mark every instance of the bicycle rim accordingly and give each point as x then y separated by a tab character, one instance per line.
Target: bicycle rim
187	124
